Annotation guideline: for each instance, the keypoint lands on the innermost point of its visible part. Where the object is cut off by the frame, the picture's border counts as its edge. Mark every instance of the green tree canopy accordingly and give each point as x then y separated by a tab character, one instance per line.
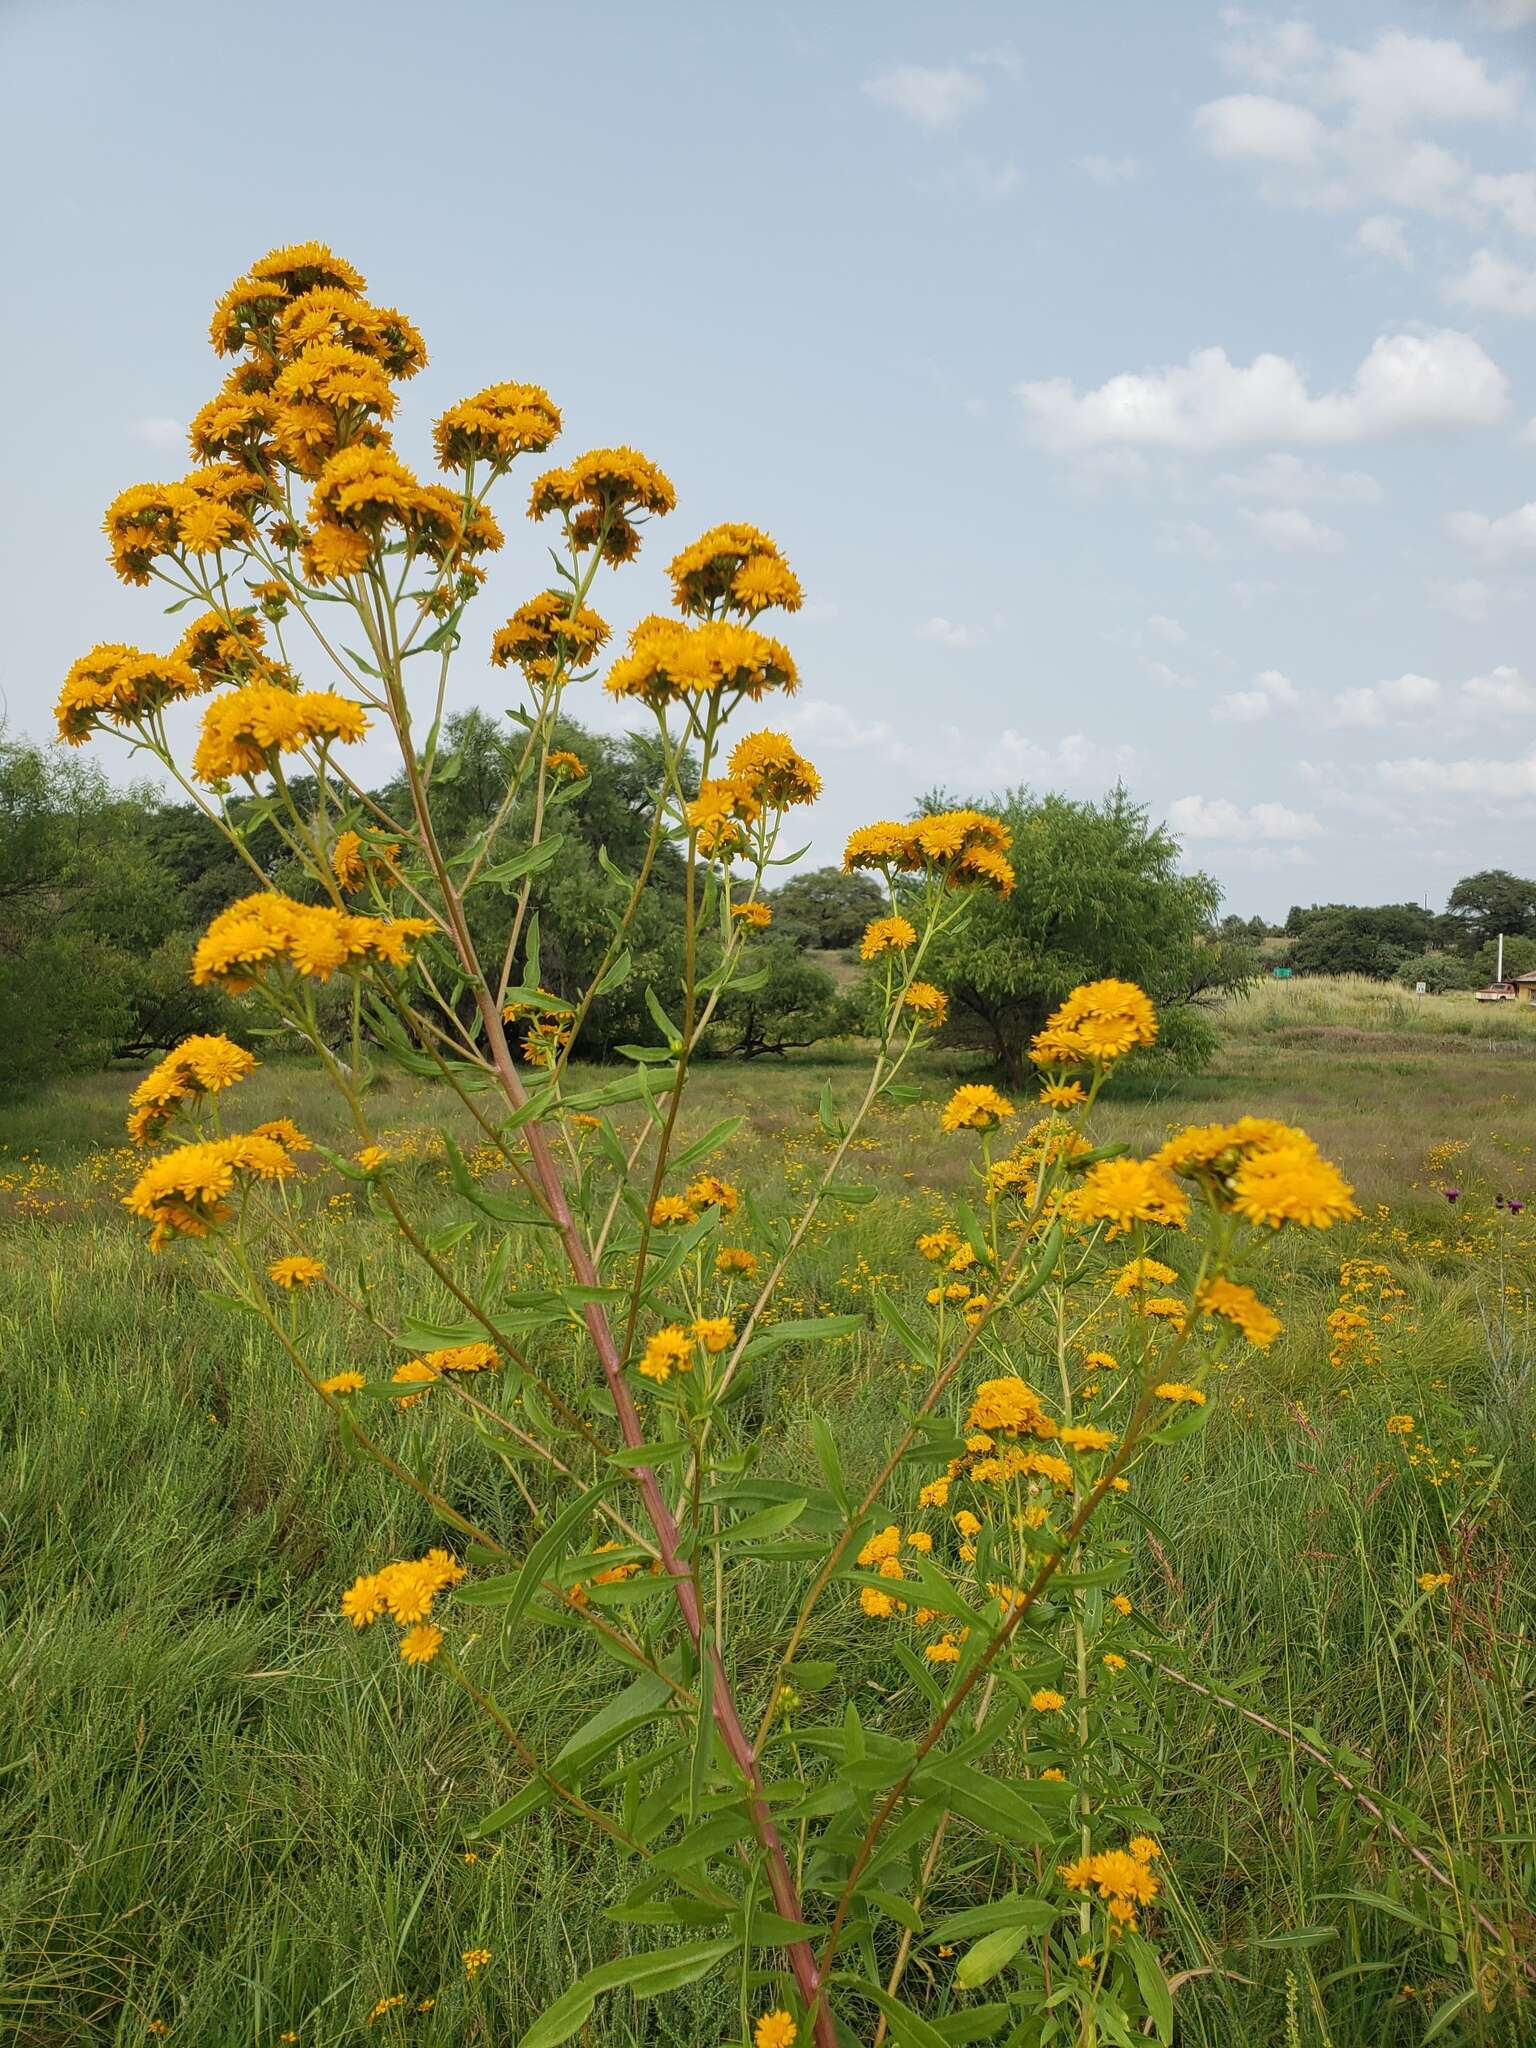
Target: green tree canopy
825	909
1491	902
1099	892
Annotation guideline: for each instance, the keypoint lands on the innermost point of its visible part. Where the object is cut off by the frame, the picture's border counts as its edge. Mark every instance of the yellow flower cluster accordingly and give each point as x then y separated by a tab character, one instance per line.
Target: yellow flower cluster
200	1065
405	1592
213	507
930	1005
600	495
704	1191
766	773
424	1371
886	935
353	859
269	930
775	2029
754	914
245	728
545	637
733	568
975	1107
670	662
121	684
1098	1024
1009	1407
1121	1877
671	1349
1266	1172
967	847
187	1191
1241	1307
1122	1192
496	426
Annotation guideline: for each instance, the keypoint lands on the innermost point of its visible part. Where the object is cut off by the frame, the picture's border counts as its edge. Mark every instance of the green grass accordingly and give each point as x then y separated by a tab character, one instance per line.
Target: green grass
227	1813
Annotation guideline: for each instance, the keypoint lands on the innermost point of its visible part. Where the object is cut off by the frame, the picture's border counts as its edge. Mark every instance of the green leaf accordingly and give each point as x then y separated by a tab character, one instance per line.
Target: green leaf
919	1348
635	1707
704	1727
771	1521
830	1460
974	2023
616	973
982	1961
643	1976
1154	1985
1034	1915
907	2029
811	1327
531	861
513	1590
672	1038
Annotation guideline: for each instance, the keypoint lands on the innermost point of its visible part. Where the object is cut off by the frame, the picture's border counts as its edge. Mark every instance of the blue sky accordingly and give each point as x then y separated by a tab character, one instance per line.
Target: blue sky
1140	391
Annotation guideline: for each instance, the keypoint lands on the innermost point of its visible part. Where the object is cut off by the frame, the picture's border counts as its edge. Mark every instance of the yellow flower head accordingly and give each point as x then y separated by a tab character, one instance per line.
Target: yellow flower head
733	568
755	914
673	663
670	1350
975	1107
1241	1307
767	765
775	2030
1121	1192
545	637
715	1333
496	426
733	1258
419	1645
930	1004
297	1271
1179	1390
887	935
1010	1407
1047	1701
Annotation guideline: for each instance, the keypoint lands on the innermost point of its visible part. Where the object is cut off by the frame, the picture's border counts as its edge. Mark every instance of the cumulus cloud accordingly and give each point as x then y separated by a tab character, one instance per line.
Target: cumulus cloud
1201	817
1500	539
1075	760
934	97
1168	630
1407	383
1493	284
1501	694
1170	678
949	633
1272	691
1287	526
1492	781
1285	479
1338	126
1405	696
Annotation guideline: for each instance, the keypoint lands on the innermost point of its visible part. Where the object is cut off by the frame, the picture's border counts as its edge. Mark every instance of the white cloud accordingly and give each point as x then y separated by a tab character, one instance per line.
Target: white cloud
1381	234
1272	691
1405	696
1189	537
1288	527
948	633
1291	480
1111	170
1492	781
1262	129
1496	540
1493	284
158	432
1166	629
933	96
1200	817
1502	693
1342	127
1408	383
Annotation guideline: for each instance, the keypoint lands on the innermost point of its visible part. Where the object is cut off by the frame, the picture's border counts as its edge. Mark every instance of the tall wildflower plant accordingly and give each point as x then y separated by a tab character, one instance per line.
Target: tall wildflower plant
968	1854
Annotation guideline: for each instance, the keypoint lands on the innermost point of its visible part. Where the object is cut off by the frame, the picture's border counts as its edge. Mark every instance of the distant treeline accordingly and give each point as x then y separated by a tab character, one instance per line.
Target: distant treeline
1448	949
104	892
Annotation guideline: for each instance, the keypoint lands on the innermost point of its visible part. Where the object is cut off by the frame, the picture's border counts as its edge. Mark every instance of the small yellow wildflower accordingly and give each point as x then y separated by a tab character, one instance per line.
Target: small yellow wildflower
419	1645
475	1959
1046	1701
775	2030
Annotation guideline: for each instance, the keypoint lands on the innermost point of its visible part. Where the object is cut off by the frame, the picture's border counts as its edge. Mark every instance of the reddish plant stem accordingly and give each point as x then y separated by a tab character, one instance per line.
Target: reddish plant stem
738	1746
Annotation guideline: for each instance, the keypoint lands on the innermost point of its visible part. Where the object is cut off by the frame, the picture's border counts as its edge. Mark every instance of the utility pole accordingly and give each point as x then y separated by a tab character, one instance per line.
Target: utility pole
1500	975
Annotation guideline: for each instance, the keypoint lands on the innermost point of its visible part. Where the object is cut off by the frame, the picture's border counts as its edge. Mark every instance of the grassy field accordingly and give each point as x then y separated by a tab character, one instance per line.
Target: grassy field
229	1818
